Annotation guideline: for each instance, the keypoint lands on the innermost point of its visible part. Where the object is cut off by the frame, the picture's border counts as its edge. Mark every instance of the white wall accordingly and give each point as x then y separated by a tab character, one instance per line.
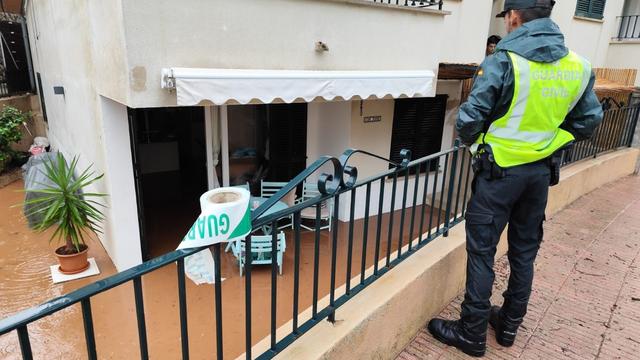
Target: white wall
271	34
631	7
625	55
465	31
75	44
587	37
374	137
328	131
122	236
497	24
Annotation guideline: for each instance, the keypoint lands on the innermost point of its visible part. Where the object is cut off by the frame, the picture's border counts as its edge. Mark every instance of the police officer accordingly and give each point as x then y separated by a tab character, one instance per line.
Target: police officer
530	99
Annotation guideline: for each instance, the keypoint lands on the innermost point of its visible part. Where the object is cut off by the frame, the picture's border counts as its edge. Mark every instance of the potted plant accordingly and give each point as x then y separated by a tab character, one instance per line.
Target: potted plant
11	119
61	203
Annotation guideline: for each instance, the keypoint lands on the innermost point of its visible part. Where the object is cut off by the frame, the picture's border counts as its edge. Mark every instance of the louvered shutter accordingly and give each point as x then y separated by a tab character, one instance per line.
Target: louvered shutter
417	126
591	8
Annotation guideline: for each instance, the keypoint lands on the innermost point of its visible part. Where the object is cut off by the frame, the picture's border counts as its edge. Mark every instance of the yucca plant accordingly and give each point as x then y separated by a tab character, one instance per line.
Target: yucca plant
62	203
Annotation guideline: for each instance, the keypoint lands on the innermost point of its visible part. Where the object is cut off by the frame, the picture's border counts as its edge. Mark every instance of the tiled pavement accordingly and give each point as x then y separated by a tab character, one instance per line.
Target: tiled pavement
586	293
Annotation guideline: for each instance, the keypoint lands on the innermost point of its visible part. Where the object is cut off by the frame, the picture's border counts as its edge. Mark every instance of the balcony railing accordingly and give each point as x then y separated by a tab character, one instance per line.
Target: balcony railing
413	3
416	183
629	27
400	194
615	131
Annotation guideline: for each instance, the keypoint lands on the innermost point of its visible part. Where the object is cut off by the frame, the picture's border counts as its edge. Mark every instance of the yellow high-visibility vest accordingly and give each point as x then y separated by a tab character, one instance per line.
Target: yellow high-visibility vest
544	93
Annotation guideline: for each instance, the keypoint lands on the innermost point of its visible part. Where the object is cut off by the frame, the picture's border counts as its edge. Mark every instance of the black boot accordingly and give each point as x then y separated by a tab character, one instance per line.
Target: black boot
449	332
505	328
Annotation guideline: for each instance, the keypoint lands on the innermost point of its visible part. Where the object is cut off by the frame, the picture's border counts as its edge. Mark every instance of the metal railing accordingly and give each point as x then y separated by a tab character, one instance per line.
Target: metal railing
443	190
413	3
629	27
616	130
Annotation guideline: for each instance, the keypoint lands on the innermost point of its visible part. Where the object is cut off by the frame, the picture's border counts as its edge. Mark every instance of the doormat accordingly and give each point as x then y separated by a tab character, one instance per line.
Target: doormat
59	277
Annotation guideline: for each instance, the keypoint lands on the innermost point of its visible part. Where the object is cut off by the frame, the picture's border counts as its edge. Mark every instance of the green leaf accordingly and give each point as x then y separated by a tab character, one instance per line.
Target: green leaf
63	205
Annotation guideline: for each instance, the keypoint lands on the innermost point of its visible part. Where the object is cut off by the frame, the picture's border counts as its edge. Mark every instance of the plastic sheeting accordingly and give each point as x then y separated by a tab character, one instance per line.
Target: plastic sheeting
35	179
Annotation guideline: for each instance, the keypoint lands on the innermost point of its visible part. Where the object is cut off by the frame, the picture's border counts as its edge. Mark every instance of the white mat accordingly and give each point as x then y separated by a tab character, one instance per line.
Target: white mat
59	277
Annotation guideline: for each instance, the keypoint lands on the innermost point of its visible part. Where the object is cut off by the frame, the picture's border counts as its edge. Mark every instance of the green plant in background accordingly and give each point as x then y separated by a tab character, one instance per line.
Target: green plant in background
11	119
75	214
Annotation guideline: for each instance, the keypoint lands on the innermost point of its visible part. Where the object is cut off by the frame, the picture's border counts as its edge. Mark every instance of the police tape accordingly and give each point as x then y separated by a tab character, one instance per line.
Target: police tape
225	216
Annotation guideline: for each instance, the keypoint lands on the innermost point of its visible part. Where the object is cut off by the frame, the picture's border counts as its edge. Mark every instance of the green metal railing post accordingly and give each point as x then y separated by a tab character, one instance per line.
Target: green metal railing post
452	179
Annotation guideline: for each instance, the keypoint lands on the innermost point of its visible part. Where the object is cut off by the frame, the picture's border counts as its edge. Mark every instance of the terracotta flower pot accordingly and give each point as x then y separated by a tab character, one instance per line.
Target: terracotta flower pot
72	263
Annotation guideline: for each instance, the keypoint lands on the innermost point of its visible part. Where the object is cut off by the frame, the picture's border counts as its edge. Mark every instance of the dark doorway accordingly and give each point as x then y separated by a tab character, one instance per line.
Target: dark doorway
170	166
15	77
287	141
266	142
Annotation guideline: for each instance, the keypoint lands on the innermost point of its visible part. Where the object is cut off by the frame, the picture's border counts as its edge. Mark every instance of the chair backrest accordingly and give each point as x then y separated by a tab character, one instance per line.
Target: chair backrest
262	243
269	188
310	190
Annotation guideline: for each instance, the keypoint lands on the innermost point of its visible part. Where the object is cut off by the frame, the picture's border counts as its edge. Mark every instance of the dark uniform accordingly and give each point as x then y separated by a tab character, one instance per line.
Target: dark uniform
514	195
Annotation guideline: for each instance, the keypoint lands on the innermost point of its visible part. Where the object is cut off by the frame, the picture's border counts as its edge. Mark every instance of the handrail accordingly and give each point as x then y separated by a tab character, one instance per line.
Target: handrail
30	315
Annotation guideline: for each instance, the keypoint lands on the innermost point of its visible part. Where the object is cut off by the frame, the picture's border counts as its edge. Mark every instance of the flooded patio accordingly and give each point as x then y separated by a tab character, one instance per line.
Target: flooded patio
25	281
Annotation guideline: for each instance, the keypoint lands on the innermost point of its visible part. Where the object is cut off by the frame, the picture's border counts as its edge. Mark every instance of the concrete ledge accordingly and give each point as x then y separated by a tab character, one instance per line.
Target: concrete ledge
585	176
381	5
383	318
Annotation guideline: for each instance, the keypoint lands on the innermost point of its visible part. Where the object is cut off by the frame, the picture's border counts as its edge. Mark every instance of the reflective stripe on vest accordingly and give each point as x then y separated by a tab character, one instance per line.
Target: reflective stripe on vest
544	93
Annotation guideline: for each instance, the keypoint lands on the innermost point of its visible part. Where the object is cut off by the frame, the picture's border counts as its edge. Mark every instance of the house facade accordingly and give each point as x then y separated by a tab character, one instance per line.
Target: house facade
151	91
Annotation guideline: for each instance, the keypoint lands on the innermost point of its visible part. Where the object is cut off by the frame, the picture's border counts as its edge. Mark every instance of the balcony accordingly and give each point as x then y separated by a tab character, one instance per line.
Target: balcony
629	28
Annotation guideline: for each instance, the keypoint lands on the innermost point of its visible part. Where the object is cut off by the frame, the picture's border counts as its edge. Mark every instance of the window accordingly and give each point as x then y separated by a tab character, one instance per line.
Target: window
417	126
591	8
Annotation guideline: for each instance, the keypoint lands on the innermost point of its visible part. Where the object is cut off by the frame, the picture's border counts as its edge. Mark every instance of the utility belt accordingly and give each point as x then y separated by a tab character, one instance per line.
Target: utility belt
484	161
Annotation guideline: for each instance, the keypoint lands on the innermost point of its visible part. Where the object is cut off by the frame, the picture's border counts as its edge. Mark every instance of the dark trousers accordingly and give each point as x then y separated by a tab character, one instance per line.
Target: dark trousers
519	199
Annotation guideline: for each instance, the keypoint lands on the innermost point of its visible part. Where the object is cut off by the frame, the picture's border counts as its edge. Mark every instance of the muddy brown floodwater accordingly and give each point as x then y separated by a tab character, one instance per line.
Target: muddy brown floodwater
25	281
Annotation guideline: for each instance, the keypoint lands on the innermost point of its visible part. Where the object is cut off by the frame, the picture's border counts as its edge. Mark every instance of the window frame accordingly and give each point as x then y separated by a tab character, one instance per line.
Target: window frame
591	14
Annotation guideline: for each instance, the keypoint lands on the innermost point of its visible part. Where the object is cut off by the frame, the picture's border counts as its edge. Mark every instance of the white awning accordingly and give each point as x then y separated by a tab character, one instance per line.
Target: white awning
222	85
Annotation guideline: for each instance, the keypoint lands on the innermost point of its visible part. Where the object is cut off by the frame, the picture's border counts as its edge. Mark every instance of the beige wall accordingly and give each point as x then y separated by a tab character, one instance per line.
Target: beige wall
625	54
79	45
373	137
497	24
465	31
328	130
586	37
271	34
109	50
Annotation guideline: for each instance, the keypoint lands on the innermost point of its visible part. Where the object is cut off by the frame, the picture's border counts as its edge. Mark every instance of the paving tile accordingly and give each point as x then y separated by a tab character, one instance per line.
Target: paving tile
585	302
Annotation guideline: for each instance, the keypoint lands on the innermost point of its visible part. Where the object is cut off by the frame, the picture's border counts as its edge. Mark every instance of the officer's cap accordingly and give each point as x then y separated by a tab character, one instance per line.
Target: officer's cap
525	4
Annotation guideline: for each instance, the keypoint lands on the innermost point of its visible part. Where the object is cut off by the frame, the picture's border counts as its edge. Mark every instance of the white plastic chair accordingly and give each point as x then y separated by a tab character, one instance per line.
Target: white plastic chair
261	251
268	189
309	191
